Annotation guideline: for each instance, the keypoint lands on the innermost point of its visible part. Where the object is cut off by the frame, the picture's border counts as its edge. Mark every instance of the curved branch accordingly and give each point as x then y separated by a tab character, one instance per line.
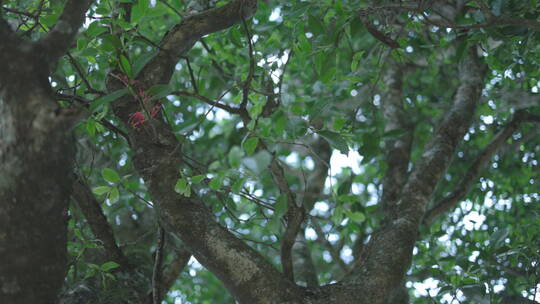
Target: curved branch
98	222
60	38
397	148
174	269
181	38
294	217
481	161
388	254
246	273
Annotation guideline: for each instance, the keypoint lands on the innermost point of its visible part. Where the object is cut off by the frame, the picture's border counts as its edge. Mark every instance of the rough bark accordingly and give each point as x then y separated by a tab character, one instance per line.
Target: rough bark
388	254
245	273
397	147
36	155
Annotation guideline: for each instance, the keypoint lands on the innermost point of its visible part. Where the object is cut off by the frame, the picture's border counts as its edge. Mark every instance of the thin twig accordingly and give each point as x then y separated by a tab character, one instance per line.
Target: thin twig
156	275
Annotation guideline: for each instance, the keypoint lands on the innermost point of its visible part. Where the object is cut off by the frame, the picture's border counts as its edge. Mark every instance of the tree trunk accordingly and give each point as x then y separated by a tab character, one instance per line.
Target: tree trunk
36	154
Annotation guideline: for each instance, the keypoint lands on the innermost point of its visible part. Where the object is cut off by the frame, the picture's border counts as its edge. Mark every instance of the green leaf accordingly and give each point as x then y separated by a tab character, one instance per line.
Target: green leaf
182	187
238	185
111	43
159	91
114	195
101	190
281	205
94	29
497	238
250	145
78	234
139	10
109	265
274	224
126	66
355	60
315	25
197	179
394	133
258	162
215	183
337	215
335	140
110	175
107	99
357	217
235	156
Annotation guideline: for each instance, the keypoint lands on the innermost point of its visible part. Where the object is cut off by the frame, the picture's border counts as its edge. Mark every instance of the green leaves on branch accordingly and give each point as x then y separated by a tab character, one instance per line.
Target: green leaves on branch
250	145
107	99
335	140
182	186
110	175
112	193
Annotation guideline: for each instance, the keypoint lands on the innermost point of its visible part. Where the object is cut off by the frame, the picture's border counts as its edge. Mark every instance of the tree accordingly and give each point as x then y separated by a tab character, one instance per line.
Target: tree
136	134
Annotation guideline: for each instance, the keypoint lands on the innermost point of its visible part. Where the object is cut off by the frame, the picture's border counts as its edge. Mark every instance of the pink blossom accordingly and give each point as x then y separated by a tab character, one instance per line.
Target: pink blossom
136	120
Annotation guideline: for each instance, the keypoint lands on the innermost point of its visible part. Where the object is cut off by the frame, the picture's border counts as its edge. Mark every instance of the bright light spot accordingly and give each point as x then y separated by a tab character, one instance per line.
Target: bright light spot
193	263
377	100
357	188
292	158
487	119
354	93
321	206
346	254
71	78
474	255
473	220
122	161
352	160
309	35
429	286
244	216
409	49
333	237
326	256
309	163
276	15
311	234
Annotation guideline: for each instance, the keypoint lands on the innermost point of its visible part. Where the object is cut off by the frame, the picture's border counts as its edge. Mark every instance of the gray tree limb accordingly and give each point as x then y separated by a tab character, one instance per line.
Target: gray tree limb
59	39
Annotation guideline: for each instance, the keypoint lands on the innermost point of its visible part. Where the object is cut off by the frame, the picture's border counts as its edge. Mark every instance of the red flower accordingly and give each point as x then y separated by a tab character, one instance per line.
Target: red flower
123	78
136	120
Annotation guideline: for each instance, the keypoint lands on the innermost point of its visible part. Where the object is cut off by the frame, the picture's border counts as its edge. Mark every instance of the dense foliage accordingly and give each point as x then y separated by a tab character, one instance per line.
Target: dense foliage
313	102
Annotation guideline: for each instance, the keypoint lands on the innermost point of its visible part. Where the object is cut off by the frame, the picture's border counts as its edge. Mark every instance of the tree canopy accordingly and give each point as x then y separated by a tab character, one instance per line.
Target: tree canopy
244	151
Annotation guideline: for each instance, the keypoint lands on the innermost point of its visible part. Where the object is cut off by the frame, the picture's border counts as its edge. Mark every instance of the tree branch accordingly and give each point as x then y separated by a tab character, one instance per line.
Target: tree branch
98	222
181	38
397	147
174	269
60	38
9	40
331	249
303	263
156	157
294	218
481	161
388	254
157	292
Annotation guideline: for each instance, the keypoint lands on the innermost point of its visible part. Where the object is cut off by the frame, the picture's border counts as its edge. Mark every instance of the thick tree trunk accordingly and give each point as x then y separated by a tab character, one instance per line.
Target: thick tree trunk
36	153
